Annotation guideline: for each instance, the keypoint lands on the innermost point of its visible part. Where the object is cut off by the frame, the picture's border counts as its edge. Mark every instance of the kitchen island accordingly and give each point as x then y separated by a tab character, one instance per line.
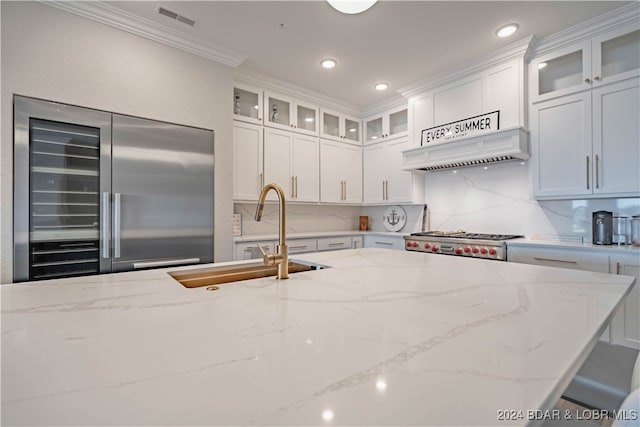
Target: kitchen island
381	338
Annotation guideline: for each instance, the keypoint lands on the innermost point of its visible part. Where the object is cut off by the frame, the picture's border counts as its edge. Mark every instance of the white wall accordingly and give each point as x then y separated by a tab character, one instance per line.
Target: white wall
497	200
50	54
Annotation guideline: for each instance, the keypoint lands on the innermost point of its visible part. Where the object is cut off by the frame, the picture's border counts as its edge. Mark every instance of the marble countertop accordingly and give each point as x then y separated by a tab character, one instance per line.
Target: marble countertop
382	338
316	234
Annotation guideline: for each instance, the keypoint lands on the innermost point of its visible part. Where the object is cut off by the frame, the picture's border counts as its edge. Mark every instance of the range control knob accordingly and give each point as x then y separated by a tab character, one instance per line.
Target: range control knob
434	248
475	250
467	250
492	251
483	251
427	246
457	251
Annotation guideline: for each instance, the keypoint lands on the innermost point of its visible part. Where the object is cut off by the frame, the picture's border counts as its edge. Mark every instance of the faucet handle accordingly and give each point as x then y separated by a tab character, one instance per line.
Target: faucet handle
269	259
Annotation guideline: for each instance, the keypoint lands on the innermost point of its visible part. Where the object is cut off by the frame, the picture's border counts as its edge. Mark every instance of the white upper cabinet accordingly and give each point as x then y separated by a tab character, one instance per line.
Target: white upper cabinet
340	127
292	161
247	103
387	125
340	173
605	59
287	113
384	180
587	144
247	161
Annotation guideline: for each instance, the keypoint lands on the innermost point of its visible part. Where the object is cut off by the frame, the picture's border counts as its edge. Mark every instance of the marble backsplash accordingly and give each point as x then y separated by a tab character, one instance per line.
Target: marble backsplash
300	218
492	200
498	200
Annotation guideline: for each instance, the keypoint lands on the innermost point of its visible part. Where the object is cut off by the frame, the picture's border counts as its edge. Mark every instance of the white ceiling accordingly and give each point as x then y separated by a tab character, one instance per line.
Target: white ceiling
401	42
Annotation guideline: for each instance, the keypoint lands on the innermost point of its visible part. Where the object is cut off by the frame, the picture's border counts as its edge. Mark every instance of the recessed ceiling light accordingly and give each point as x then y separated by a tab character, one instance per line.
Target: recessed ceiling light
328	63
351	7
381	86
507	30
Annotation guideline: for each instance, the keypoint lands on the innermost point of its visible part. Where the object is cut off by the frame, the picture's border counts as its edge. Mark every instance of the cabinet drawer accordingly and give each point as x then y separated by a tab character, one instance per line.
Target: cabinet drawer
245	251
300	246
560	257
384	242
334	243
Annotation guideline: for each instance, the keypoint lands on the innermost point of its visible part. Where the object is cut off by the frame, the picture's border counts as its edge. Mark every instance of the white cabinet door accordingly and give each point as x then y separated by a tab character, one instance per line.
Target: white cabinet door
421	116
278	150
331	179
561	148
625	327
386	125
287	113
306	168
340	173
398	186
374	166
616	55
247	161
247	103
616	138
351	158
339	127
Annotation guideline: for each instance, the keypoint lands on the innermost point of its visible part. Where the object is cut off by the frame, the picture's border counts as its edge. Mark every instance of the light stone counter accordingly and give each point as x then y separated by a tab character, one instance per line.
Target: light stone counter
316	234
382	338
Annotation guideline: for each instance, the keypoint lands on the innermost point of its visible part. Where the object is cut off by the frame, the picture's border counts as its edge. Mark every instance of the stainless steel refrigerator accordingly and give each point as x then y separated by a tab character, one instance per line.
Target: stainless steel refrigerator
98	192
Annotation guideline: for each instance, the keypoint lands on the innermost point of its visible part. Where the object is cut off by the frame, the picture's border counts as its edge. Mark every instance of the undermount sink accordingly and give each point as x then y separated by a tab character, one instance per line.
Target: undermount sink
234	273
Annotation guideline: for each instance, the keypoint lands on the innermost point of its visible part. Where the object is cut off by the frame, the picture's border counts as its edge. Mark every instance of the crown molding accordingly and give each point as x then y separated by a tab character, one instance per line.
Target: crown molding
269	83
114	17
625	15
517	50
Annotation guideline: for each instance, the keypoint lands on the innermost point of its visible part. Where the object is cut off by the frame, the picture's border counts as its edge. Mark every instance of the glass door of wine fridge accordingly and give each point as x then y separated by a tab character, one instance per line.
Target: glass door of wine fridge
62	157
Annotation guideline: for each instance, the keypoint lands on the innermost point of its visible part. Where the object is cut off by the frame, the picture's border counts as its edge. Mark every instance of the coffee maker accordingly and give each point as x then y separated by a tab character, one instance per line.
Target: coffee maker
602	227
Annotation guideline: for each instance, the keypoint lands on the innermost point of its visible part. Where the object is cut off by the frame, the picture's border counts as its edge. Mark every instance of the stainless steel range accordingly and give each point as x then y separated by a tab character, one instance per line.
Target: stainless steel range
460	243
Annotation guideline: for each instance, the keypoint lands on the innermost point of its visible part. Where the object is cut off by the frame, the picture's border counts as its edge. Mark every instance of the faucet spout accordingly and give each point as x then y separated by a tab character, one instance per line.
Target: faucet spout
281	257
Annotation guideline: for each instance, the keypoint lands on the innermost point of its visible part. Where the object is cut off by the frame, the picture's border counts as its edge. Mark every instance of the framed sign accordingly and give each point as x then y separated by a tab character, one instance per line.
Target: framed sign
484	123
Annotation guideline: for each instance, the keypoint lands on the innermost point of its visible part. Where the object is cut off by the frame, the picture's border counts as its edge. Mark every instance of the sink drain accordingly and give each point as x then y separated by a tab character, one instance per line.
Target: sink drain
213	288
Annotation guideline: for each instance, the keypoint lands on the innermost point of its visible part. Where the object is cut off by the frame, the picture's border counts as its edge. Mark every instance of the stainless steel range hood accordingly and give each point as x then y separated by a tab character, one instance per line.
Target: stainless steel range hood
499	146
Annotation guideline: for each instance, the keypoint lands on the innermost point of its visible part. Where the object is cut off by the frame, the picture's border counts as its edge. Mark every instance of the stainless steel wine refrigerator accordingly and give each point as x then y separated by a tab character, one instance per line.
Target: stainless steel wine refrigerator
98	192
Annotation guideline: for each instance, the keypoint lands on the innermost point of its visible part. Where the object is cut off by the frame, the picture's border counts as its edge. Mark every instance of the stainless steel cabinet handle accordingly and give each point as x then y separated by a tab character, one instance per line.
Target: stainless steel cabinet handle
260	182
292	186
296	186
555	260
617	268
597	172
384	197
384	243
345	190
298	247
336	244
147	264
587	172
105	223
116	225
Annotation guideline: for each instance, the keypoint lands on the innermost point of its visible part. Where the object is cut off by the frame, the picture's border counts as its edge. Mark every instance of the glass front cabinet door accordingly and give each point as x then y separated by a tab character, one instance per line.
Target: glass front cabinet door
339	127
388	125
247	103
287	113
605	59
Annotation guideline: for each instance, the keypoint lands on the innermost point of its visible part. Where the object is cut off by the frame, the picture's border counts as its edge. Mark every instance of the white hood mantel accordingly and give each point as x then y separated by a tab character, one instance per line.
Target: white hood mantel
499	146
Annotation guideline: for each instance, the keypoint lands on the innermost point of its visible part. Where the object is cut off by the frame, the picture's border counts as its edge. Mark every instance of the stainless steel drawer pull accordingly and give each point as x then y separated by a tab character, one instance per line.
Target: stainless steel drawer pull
587	172
104	235
336	244
299	247
147	264
555	260
384	243
597	172
116	225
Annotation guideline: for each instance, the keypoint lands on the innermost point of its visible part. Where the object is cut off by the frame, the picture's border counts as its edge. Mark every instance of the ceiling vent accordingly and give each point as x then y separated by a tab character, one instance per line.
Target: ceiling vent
173	15
500	146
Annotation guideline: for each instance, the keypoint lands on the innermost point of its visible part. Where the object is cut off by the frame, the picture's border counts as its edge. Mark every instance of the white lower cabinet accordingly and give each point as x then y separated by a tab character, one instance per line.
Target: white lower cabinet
384	242
334	243
249	250
302	246
624	328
